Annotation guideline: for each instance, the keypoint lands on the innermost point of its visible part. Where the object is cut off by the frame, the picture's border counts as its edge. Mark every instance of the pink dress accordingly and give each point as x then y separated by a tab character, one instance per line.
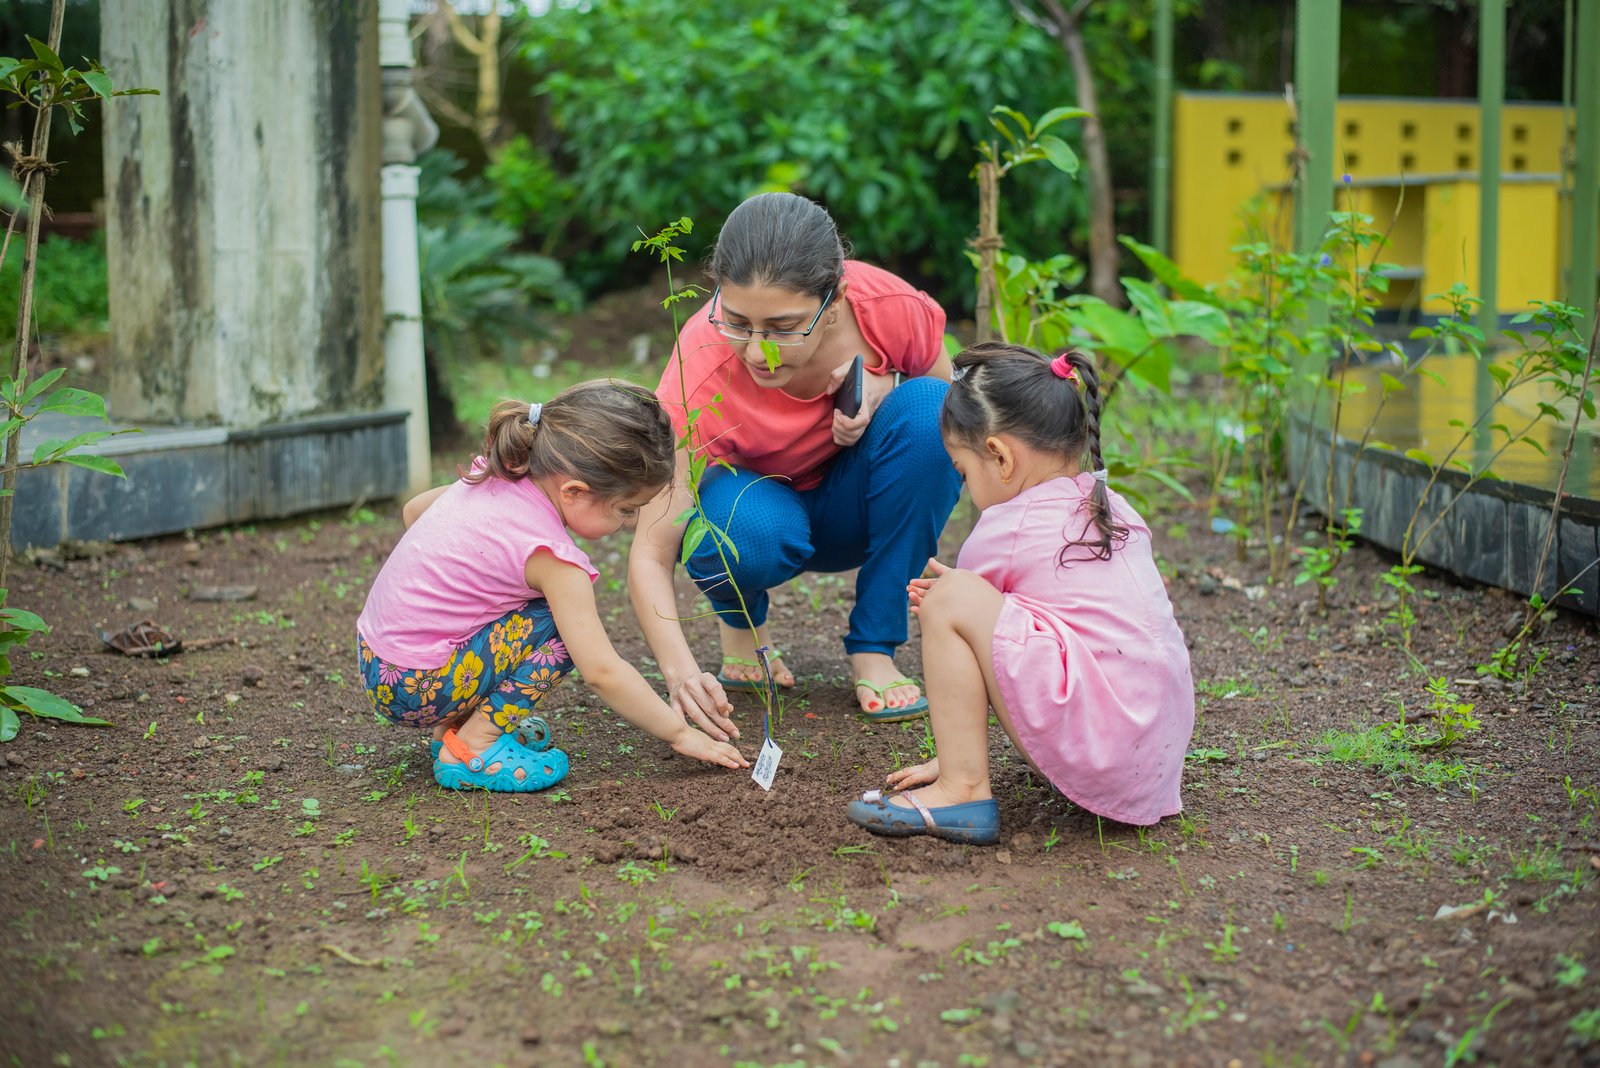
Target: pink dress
1091	664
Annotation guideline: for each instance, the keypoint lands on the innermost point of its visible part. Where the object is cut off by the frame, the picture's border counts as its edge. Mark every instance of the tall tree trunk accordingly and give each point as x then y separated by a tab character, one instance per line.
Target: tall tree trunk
484	47
988	244
31	169
1102	224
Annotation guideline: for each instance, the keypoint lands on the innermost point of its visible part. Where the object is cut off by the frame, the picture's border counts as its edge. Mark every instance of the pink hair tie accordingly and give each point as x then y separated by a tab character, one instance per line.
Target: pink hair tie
1062	367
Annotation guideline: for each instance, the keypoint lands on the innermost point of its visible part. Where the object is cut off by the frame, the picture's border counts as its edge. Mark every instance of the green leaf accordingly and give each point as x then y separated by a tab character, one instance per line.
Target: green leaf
772	353
1060	155
1420	456
1391	384
54	448
1122	335
1168	273
1015	116
693	535
40	384
1168	481
47	705
43	53
21	619
73	401
1151	307
9	724
1204	321
102	464
1055	115
98	82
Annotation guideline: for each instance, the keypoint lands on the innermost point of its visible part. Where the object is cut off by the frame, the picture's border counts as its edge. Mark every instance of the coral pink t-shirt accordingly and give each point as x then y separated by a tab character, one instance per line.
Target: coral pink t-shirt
1090	661
768	431
462	565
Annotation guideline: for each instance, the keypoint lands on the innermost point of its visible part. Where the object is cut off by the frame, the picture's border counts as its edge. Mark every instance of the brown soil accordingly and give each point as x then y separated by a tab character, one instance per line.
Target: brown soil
247	868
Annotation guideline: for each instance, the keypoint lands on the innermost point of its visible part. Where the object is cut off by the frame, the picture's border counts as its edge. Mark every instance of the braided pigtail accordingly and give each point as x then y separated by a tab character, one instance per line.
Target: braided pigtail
1111	533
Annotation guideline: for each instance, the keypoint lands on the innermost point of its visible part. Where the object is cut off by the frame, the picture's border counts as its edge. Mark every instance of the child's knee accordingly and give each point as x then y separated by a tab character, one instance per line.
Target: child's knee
947	600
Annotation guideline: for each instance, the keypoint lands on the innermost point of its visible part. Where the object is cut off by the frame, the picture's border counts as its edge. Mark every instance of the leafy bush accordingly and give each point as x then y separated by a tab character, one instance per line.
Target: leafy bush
480	297
662	109
70	292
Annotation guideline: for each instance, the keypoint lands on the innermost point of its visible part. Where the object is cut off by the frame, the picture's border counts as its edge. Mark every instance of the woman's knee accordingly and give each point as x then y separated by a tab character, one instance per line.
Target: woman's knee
767	531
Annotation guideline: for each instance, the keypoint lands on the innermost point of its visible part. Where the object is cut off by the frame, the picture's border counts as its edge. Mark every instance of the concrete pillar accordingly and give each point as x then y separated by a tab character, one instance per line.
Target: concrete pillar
243	210
408	129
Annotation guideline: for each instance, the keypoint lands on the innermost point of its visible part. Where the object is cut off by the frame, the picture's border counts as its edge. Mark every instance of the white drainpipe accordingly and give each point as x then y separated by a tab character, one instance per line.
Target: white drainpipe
407	130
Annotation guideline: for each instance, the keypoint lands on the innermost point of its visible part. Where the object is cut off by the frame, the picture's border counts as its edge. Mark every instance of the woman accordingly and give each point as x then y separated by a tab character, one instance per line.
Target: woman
815	490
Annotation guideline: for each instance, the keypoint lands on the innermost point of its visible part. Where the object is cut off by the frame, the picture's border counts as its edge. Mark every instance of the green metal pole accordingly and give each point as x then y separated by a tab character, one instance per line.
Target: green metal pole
1586	181
1316	91
1161	151
1491	98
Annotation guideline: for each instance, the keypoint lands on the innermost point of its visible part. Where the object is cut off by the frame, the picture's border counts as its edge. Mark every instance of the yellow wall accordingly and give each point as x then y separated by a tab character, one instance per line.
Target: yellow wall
1230	148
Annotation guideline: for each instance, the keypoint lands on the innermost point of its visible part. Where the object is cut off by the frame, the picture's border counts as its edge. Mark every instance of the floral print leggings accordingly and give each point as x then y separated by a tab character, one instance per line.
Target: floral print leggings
504	671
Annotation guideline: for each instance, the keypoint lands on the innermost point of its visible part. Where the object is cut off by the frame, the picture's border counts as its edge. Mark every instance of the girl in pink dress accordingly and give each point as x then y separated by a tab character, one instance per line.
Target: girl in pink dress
1055	616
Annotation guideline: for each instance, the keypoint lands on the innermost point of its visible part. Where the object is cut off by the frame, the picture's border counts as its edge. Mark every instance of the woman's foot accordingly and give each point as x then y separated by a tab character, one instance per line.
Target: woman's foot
890	692
739	660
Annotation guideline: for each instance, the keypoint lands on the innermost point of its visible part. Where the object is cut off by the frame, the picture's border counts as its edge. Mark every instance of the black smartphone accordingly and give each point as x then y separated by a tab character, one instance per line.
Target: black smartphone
848	397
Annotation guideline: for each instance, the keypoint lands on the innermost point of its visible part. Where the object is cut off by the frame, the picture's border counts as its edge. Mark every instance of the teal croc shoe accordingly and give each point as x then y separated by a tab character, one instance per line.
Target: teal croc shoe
541	766
973	823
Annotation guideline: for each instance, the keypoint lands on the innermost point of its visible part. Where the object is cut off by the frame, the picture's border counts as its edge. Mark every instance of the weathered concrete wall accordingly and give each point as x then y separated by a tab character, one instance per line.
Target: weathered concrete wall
243	210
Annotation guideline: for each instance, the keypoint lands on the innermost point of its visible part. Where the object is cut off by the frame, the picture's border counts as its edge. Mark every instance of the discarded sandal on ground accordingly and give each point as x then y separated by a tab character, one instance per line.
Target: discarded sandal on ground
894	713
973	823
541	767
144	638
748	685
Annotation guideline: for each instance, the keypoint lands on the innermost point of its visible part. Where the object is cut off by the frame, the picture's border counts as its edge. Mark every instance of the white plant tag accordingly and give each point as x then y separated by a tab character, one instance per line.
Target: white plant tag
767	764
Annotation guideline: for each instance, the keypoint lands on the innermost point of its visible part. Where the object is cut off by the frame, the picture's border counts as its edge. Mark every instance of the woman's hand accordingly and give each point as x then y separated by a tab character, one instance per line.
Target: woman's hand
848	430
918	588
700	699
916	775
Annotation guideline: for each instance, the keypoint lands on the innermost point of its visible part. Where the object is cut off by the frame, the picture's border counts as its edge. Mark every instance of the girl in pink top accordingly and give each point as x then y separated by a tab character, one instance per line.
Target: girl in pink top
486	603
1055	616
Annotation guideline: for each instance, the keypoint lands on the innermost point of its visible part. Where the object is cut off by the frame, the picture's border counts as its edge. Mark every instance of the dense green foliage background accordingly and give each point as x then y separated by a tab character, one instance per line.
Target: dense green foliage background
660	109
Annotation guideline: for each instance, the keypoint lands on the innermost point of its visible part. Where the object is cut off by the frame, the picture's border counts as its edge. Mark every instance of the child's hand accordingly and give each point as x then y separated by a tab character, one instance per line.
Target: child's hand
692	743
918	588
916	775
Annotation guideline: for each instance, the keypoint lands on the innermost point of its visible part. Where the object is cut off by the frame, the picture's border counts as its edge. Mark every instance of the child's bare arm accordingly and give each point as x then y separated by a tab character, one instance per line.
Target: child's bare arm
618	683
420	503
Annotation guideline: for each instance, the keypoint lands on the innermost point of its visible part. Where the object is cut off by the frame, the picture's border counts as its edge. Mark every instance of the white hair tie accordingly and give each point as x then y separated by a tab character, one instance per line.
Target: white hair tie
1101	475
534	410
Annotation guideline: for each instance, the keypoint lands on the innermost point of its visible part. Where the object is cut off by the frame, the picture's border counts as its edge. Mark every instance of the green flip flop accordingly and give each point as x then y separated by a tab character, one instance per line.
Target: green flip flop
894	713
747	685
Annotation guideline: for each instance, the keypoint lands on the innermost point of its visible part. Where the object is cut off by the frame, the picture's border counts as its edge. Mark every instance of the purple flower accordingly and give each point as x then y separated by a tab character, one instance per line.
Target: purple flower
1325	260
1347	179
550	653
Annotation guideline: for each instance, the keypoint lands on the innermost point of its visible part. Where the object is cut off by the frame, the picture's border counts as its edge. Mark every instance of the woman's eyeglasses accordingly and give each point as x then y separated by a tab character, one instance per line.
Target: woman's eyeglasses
735	332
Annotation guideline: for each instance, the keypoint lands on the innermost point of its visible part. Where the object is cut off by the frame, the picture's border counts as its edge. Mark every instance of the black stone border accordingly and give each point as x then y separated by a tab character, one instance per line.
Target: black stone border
1492	534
